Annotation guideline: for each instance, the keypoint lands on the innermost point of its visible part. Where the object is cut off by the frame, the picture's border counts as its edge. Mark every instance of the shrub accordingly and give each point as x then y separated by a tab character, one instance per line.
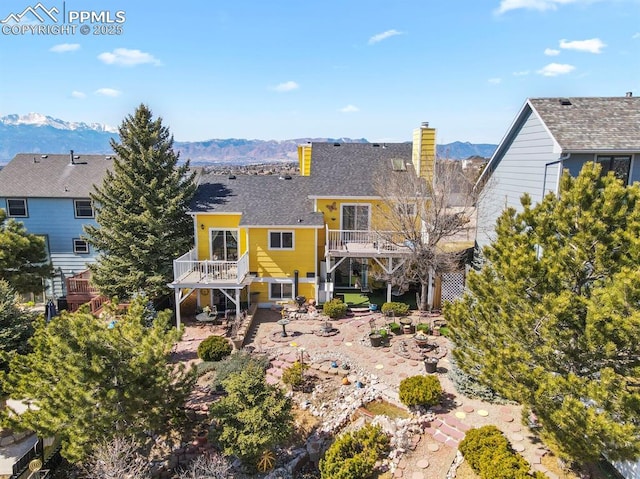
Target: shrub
335	308
424	327
294	375
238	362
214	348
420	391
353	455
398	309
489	454
204	367
467	385
395	328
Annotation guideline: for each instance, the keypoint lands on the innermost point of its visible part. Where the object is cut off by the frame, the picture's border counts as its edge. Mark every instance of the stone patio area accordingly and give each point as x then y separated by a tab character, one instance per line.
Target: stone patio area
377	372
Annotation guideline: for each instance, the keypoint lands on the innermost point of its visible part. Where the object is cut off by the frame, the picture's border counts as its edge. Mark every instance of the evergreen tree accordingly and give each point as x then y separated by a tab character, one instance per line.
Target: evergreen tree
23	256
91	380
16	324
253	417
141	211
553	320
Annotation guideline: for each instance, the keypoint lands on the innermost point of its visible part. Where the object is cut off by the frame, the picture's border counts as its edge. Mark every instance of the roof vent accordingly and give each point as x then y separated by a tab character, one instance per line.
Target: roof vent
629	94
376	145
44	156
71	157
284	177
34	160
398	164
336	144
76	157
232	177
107	157
425	124
565	101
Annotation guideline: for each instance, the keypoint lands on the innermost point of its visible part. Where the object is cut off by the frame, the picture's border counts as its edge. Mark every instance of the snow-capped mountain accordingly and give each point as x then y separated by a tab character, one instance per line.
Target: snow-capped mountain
37	119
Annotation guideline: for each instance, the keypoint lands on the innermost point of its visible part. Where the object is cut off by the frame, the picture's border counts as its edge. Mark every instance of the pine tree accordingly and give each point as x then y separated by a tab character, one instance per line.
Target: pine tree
23	257
141	211
16	324
553	318
253	417
91	380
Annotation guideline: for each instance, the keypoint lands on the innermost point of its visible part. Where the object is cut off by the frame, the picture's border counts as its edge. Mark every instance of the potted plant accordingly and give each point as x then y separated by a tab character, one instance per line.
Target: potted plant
421	338
376	339
384	333
431	365
395	328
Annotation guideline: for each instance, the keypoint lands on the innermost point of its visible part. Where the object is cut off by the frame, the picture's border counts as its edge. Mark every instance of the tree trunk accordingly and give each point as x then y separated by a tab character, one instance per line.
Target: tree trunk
424	292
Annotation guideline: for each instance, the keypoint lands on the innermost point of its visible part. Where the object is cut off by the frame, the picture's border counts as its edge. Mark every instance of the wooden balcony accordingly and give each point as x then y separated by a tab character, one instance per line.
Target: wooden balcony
188	271
80	290
365	243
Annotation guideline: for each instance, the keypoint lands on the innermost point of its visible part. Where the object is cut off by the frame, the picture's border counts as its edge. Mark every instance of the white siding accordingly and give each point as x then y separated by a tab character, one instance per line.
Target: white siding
520	169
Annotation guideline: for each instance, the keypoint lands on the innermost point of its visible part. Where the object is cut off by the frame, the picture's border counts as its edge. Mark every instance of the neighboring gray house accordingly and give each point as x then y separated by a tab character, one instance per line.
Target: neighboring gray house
50	195
550	135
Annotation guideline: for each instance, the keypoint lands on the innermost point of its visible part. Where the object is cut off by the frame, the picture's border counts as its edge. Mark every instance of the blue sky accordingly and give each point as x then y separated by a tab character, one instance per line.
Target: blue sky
338	68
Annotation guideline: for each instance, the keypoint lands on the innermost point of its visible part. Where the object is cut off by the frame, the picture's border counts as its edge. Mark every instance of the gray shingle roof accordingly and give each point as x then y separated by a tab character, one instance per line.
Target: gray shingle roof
32	176
598	123
263	200
350	168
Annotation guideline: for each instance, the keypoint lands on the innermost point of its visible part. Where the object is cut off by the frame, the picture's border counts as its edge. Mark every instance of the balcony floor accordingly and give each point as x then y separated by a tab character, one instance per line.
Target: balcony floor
196	279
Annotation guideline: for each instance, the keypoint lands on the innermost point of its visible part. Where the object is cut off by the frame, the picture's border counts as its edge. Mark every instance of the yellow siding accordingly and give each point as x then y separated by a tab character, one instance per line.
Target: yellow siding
304	159
423	154
282	263
332	210
204	222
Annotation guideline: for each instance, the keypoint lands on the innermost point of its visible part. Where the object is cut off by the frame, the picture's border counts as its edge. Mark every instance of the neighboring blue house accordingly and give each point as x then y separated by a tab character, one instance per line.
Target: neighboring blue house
550	135
50	195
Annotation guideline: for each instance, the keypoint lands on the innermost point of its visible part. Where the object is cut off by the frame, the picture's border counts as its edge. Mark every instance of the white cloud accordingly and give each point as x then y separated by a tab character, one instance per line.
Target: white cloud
65	47
78	94
540	5
349	109
128	58
555	69
551	52
286	86
521	73
593	45
383	36
495	81
108	92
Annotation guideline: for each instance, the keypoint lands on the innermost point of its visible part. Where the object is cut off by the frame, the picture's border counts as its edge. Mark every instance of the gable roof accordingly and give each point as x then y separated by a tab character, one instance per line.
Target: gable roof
263	200
591	124
350	169
52	176
578	124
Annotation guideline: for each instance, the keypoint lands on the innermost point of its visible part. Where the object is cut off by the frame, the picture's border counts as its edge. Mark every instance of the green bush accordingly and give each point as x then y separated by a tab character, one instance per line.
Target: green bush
469	386
294	375
353	455
398	309
204	367
238	362
489	454
420	391
214	348
395	328
424	327
335	308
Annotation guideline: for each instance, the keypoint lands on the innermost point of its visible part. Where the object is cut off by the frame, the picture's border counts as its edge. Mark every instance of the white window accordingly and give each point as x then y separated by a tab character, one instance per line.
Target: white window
406	209
224	245
83	208
280	239
17	207
620	165
281	291
80	246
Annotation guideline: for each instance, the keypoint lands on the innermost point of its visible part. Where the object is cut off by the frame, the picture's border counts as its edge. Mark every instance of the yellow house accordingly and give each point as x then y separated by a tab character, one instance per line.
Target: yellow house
267	238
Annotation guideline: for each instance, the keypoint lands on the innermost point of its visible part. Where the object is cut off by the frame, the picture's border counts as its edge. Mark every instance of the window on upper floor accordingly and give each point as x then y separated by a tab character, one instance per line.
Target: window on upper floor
17	207
619	164
281	291
83	208
80	246
406	209
280	239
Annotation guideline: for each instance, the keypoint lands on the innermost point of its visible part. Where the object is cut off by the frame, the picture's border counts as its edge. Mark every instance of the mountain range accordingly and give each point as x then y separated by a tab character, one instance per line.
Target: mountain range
37	133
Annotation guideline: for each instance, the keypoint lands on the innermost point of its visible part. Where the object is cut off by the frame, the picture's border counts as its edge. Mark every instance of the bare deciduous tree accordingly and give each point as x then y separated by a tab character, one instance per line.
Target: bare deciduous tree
117	459
432	222
207	467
